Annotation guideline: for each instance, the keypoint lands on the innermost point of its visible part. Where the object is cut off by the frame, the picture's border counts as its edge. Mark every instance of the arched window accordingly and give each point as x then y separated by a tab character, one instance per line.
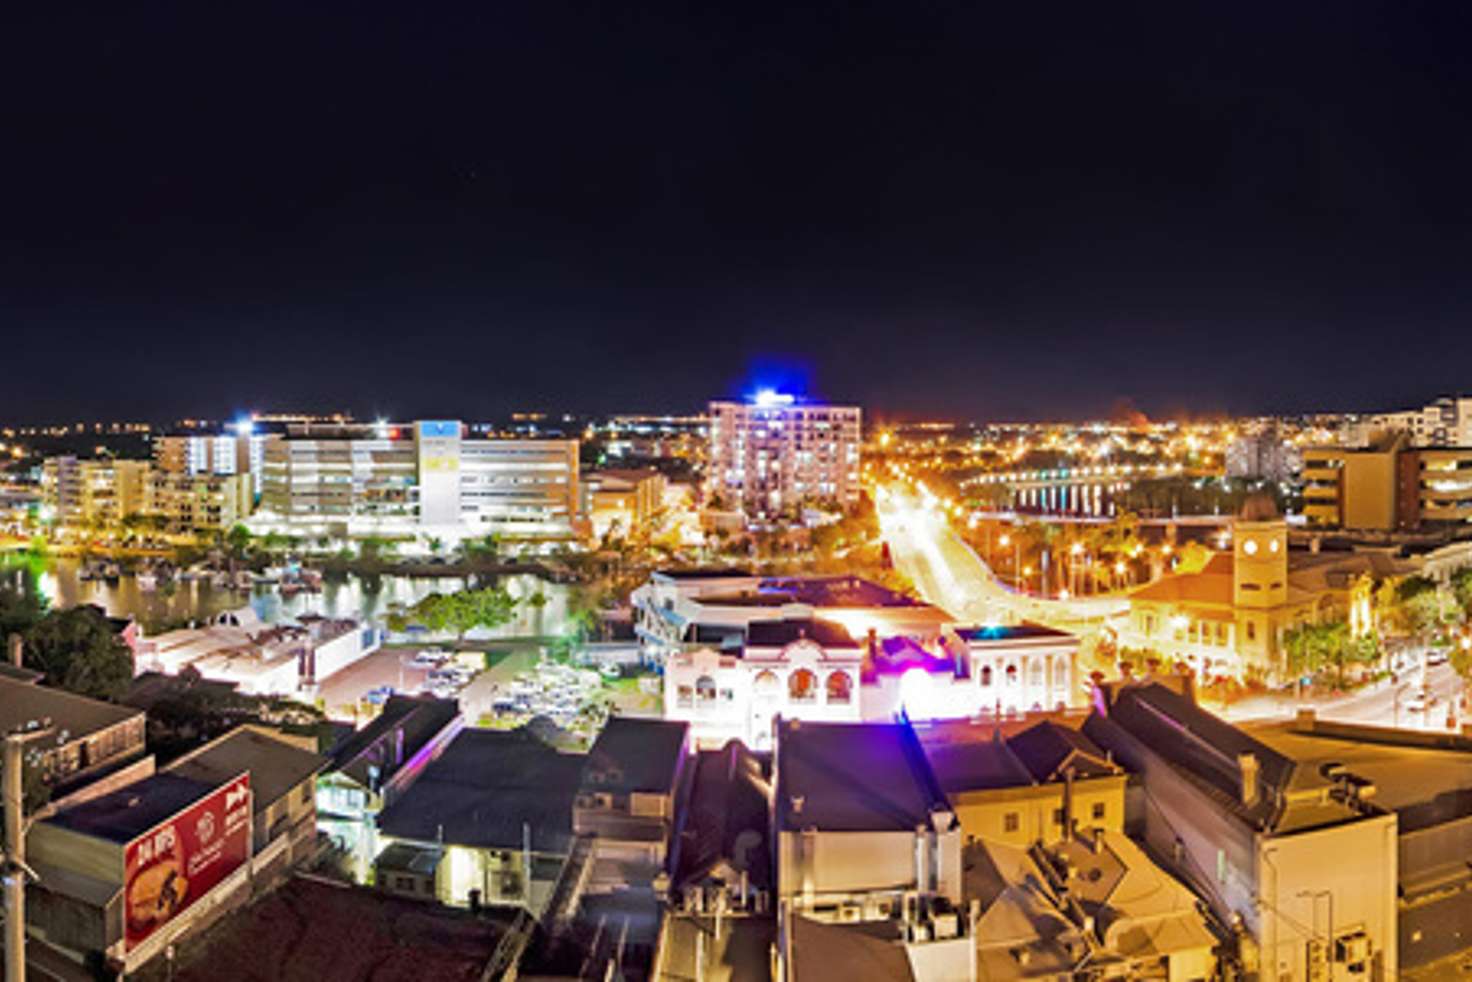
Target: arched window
705	689
766	684
986	676
840	688
1035	674
1011	674
802	686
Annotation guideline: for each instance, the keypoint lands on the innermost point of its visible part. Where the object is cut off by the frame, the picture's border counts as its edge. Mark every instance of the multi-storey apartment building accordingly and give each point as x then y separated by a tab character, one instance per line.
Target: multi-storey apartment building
426	477
1387	486
241	452
94	492
771	455
192	502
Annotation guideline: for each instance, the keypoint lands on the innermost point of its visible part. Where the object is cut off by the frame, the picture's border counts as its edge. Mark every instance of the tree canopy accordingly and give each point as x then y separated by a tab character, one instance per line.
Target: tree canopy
79	651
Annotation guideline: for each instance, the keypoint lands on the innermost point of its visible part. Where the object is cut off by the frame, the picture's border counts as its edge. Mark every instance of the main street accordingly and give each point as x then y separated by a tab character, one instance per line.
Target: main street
949	574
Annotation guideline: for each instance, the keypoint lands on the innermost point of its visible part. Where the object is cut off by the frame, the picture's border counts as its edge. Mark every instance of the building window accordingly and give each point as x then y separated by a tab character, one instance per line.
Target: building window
1035	674
1251	631
986	676
705	689
1011	674
840	688
1098	811
1057	816
306	794
766	683
1010	822
802	686
684	697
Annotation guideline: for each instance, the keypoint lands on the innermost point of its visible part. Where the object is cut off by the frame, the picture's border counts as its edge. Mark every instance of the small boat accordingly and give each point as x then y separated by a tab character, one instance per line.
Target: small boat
147	582
220	579
111	571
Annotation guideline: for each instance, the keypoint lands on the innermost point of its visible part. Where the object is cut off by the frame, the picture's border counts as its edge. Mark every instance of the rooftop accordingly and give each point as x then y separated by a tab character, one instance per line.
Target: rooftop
1009	632
275	764
486	789
419	717
23	701
779	634
127	813
854	777
641	755
310	931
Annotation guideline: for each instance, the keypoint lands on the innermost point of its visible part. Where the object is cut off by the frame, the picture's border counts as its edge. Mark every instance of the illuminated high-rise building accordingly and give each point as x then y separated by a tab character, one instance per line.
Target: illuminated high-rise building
772	455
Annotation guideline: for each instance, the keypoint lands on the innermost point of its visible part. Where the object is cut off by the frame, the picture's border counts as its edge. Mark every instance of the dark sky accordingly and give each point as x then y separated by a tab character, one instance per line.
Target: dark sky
990	210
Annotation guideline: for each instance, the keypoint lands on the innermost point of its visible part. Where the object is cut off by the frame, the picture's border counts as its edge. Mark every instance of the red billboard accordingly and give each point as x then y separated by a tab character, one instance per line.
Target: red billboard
181	859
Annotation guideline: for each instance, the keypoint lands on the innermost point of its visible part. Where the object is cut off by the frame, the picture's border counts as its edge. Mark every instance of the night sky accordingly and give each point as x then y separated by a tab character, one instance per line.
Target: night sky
988	210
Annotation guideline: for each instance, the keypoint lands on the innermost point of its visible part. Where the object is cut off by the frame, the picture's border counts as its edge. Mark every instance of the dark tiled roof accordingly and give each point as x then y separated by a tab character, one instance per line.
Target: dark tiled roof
778	634
728	817
420	718
1196	743
636	755
853	777
275	765
1044	749
980	766
123	815
22	701
485	789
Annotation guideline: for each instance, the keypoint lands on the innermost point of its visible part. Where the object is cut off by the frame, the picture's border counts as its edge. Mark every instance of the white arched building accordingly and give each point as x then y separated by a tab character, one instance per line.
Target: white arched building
814	670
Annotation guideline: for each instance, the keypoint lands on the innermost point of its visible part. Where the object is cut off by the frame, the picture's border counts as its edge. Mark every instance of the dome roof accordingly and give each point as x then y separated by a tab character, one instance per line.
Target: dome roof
1258	507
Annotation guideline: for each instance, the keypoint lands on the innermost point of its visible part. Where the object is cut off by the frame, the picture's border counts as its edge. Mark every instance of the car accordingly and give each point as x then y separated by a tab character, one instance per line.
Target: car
1437	656
1422	701
380	695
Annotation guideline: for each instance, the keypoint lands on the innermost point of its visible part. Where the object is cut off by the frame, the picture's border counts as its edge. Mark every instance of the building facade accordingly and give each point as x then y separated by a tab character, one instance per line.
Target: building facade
1388	486
771	456
83	493
426	478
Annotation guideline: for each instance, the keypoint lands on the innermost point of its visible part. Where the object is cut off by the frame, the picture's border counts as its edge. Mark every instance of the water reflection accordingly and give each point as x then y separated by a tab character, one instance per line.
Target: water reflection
59	580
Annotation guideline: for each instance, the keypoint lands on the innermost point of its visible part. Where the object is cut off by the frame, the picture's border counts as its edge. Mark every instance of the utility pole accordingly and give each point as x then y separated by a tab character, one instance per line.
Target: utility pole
16	872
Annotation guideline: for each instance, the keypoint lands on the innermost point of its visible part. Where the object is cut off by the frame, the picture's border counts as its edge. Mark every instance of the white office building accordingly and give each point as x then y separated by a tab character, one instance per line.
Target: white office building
423	479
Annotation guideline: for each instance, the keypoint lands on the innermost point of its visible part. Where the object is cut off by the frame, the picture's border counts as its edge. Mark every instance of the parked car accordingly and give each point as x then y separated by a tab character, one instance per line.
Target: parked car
380	695
1420	701
430	658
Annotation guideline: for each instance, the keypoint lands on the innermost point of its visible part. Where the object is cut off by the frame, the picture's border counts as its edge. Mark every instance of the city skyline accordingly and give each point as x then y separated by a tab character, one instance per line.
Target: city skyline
965	213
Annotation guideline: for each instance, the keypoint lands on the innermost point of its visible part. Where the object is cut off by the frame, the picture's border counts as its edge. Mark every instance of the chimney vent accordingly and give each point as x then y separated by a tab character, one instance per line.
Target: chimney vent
1248	767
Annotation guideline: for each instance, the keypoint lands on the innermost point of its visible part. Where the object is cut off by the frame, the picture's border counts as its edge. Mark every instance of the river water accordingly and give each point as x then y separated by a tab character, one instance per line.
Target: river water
365	598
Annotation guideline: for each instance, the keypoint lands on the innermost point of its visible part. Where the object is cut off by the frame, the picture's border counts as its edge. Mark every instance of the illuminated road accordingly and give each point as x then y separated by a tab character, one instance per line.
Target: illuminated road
1384	704
950	575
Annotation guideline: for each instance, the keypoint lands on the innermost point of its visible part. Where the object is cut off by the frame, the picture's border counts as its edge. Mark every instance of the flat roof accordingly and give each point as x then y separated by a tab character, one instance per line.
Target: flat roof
1423	783
123	815
24	701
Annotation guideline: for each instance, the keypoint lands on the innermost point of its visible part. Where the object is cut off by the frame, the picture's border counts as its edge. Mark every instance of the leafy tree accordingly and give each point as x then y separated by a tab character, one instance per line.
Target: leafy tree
21	608
1462	588
238	540
79	651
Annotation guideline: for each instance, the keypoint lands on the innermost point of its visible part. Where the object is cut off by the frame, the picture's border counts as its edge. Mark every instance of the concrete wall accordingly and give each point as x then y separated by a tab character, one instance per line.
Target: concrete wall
1355	864
983	814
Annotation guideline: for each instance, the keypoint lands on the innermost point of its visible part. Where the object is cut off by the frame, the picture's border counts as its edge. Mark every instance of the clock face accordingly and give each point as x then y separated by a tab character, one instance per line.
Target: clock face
1250	547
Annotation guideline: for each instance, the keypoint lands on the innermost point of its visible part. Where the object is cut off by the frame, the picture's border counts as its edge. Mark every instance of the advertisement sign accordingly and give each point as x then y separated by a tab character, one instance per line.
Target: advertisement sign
181	859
